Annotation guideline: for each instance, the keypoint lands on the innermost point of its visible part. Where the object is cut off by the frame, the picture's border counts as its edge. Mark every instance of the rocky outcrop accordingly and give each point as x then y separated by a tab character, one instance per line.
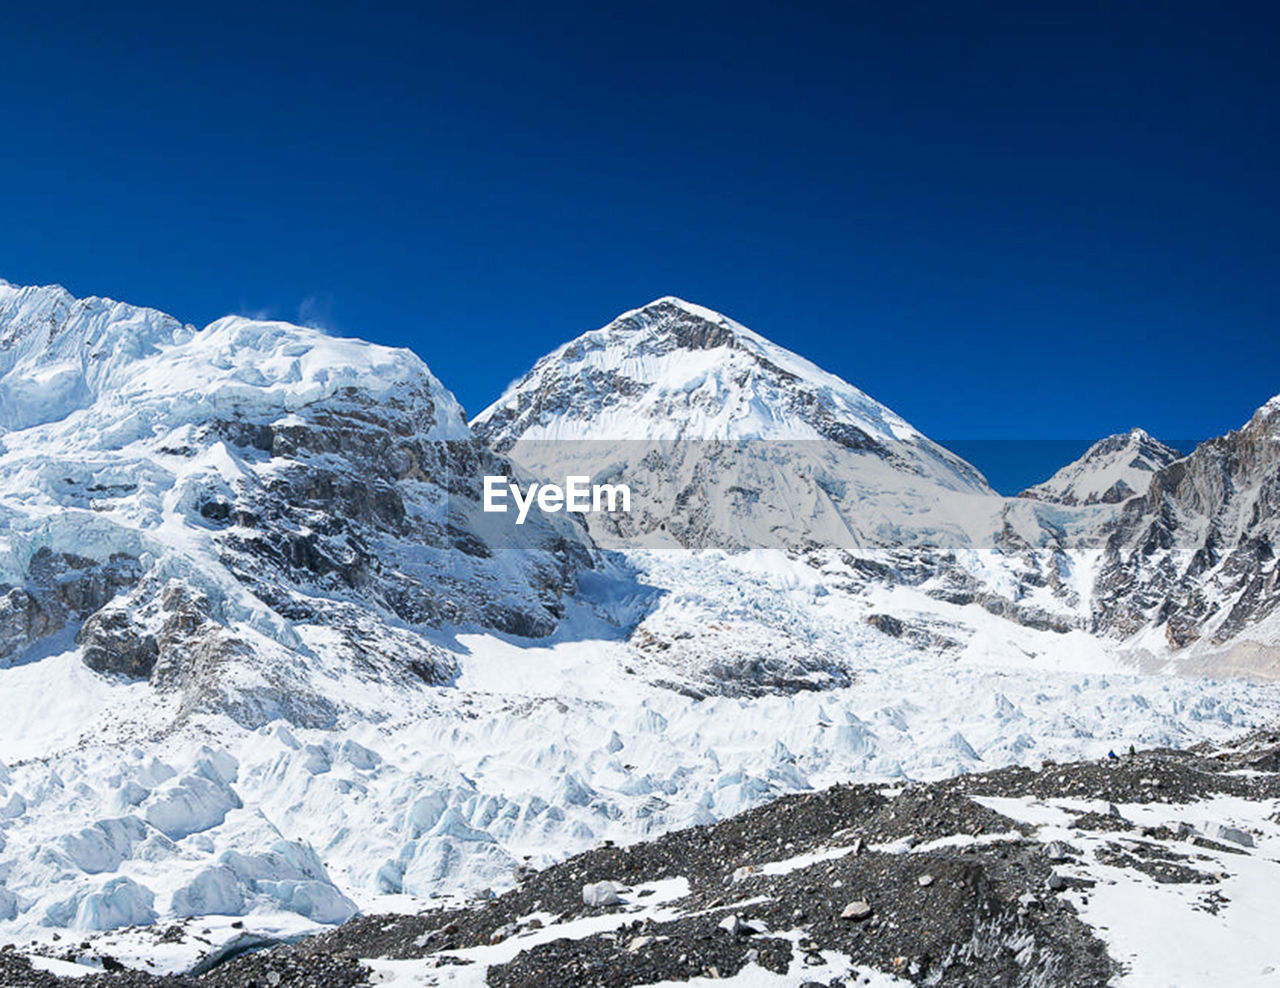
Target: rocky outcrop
357	490
112	642
60	589
1195	557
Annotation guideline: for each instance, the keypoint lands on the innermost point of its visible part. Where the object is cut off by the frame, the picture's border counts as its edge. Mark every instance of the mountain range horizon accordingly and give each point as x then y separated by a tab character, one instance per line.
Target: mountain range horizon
1010	465
269	662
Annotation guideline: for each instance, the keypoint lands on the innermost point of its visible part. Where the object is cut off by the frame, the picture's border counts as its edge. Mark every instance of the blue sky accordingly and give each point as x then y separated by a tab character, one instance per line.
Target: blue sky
1021	220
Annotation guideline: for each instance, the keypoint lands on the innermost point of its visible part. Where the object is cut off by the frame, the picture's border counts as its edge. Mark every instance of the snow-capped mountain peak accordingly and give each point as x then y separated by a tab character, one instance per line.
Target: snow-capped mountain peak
1111	470
676	370
730	440
274	485
59	353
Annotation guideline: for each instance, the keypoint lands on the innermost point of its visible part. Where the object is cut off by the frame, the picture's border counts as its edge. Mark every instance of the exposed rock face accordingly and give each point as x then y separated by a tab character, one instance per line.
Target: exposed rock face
357	489
229	511
1112	470
60	588
113	643
1195	557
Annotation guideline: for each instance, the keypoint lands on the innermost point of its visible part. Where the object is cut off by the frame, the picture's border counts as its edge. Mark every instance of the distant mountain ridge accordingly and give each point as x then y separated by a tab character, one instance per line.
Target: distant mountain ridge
1111	470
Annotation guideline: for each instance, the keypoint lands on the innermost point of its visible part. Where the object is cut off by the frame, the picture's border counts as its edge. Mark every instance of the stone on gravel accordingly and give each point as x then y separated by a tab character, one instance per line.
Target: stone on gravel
857	911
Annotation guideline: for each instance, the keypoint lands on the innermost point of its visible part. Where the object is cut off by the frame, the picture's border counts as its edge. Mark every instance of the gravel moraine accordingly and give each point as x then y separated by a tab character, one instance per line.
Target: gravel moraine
964	912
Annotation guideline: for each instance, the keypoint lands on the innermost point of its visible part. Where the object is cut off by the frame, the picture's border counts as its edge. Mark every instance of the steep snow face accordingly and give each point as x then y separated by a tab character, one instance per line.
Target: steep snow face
675	370
59	353
244	513
1110	471
732	441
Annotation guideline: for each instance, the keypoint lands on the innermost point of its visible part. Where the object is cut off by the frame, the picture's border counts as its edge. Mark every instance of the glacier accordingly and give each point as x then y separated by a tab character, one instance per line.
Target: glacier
263	655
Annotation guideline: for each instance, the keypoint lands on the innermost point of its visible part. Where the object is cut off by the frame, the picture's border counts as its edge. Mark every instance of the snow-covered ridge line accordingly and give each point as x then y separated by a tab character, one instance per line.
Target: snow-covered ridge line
698	375
1111	470
59	355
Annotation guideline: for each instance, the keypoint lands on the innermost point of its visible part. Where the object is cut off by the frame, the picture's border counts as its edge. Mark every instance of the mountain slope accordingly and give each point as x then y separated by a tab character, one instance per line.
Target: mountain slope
1193	560
731	441
228	512
266	662
1111	470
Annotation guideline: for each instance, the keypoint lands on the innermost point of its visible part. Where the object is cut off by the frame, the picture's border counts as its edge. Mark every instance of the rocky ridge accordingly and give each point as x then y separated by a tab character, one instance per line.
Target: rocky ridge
1194	558
1110	471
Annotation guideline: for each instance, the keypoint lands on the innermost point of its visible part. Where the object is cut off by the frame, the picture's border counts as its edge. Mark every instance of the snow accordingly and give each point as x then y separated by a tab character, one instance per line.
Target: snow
119	902
691	393
63	355
214	891
118	806
646	901
1114	468
543	750
189	806
1164	933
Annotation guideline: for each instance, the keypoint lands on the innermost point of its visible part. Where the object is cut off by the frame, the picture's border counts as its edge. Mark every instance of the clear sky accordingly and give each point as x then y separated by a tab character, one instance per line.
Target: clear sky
1024	220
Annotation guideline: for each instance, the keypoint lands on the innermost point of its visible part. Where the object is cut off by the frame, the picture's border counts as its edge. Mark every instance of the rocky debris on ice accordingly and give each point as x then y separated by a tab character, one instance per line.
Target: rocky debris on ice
774	888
